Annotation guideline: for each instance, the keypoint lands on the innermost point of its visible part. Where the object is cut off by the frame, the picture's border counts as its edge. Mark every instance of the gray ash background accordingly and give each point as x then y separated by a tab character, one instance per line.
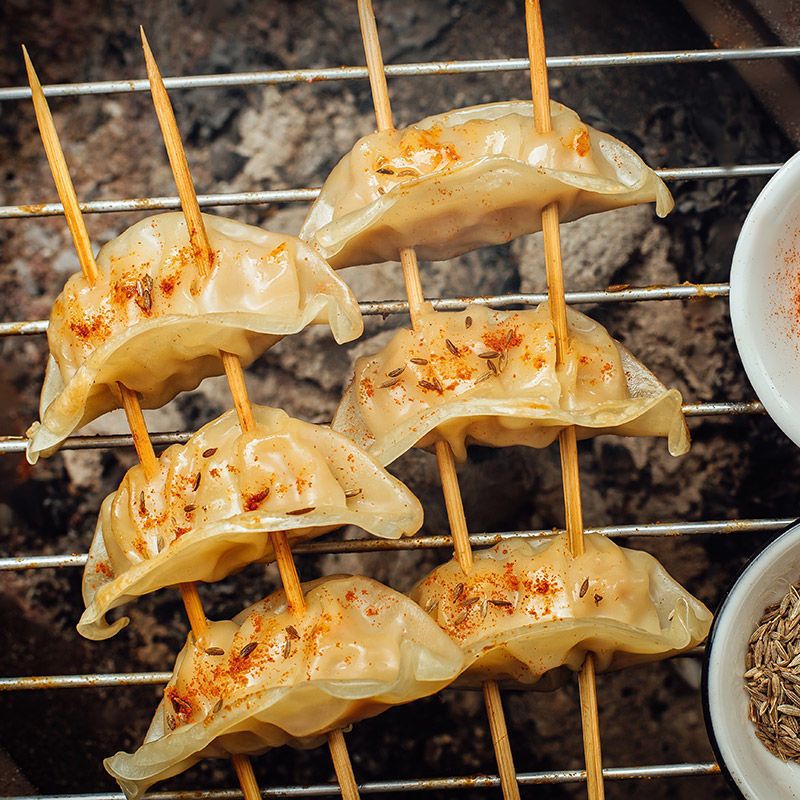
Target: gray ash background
252	138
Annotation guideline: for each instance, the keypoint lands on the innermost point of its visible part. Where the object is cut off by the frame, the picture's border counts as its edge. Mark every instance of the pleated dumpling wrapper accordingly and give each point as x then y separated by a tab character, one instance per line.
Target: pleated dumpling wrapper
153	322
469	178
269	678
490	377
208	511
529	610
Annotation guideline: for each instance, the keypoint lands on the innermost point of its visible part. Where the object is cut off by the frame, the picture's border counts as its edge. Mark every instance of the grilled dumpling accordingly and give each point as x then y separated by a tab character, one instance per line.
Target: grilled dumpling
468	178
208	511
154	323
490	377
269	678
529	609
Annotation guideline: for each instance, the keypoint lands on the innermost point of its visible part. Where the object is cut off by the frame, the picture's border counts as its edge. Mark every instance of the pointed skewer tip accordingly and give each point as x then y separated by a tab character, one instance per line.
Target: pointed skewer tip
153	72
32	77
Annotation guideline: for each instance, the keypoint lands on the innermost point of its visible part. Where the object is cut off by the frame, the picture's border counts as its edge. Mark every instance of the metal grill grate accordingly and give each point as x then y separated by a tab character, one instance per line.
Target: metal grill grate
719	291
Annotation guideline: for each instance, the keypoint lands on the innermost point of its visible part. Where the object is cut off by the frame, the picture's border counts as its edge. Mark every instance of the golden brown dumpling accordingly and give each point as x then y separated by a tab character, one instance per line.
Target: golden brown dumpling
208	511
529	609
268	678
468	178
490	377
154	323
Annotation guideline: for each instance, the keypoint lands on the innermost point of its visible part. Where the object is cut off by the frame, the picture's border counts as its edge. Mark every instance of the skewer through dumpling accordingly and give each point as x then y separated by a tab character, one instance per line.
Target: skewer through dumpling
152	322
530	609
207	512
269	678
490	377
469	178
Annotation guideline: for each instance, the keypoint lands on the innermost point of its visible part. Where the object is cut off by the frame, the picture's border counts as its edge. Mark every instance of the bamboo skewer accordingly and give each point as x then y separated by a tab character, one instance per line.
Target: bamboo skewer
129	398
567	441
444	453
203	253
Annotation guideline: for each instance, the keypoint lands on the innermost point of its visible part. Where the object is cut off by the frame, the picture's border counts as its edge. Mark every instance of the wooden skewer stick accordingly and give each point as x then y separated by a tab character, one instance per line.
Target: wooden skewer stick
444	453
130	400
61	176
203	254
569	449
198	236
201	249
502	745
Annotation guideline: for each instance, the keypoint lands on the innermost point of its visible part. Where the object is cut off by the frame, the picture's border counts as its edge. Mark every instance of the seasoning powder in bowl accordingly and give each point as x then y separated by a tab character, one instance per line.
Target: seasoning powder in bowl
765	297
772	677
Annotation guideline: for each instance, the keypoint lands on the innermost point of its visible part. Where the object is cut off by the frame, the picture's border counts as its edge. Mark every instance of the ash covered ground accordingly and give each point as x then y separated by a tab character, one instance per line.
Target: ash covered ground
255	138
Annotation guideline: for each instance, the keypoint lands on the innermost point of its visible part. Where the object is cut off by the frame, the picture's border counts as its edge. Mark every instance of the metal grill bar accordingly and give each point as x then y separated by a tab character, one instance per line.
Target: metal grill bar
262	77
93	679
649	530
16	444
171	202
113	679
383	308
414	784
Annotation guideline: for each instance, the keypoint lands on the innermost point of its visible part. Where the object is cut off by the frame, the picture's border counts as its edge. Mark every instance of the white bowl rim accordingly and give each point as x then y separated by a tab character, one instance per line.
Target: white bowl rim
783	538
747	244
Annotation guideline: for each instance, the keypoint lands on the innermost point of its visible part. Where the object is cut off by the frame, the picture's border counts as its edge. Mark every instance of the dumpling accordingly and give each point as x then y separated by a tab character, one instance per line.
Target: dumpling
208	511
468	178
530	609
490	377
154	323
268	678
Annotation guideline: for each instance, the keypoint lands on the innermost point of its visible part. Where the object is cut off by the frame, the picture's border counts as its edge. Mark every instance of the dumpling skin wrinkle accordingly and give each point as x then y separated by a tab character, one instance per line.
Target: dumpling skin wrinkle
360	648
469	178
207	512
152	322
490	377
533	611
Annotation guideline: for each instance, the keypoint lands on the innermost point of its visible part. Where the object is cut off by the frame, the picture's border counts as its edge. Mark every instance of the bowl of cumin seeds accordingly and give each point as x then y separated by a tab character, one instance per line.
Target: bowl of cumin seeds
752	675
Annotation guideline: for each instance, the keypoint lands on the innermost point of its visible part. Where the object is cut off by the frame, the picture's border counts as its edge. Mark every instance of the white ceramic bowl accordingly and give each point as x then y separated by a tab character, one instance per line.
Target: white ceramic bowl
750	767
765	297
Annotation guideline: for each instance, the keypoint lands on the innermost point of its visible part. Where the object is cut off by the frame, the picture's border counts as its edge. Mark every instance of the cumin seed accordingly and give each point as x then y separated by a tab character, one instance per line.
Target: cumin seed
247	649
460	617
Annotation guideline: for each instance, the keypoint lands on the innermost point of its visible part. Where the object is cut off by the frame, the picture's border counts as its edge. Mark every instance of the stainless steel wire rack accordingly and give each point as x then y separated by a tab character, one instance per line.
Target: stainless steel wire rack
717	291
